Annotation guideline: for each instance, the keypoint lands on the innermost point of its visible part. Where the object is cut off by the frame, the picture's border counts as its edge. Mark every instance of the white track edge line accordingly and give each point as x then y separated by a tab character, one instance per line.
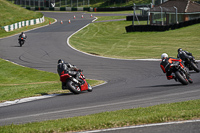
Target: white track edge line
140	126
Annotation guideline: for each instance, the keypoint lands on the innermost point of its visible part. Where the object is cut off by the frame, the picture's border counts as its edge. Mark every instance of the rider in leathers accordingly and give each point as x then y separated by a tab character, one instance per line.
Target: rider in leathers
166	66
64	68
22	35
183	54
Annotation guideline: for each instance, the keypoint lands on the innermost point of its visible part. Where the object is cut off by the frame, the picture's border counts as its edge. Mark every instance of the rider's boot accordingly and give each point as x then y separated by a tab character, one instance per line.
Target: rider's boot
64	86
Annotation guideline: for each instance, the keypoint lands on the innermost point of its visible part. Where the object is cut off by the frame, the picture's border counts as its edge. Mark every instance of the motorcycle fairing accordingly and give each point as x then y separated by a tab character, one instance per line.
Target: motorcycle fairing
64	77
84	86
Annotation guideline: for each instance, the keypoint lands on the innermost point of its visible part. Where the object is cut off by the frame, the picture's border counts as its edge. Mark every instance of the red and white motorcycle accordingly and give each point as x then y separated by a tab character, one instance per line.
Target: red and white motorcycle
70	82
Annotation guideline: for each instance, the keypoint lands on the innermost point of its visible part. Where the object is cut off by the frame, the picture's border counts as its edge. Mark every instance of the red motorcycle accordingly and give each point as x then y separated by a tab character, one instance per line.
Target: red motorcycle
76	86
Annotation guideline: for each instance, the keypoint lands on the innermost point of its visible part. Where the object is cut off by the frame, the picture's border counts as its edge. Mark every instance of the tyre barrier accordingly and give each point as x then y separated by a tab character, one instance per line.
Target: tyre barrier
140	17
60	8
18	25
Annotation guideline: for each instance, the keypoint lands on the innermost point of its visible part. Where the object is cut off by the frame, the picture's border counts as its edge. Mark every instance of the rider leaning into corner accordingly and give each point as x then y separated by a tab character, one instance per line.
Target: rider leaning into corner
184	54
165	66
63	68
22	35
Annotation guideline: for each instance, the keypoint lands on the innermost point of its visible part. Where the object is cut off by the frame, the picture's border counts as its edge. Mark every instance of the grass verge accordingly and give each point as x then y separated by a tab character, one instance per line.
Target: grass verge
3	33
20	82
111	40
11	13
155	114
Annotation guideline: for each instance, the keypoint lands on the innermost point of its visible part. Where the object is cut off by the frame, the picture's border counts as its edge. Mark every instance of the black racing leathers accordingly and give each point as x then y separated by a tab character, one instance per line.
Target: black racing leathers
184	55
166	66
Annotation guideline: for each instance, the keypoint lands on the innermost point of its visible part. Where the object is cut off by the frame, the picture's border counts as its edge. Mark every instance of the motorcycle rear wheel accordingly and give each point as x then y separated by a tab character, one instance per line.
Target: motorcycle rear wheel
73	87
180	78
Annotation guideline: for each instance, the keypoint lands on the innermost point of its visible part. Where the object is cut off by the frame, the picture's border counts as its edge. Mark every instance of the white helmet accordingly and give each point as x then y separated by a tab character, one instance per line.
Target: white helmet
164	55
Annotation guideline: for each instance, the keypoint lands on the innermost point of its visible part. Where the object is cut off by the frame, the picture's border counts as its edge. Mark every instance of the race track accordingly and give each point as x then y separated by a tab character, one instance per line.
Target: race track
130	83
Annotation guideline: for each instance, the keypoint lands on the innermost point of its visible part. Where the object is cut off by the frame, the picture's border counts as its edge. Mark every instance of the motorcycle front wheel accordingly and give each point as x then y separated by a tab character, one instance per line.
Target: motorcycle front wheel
90	88
181	78
21	43
73	87
194	66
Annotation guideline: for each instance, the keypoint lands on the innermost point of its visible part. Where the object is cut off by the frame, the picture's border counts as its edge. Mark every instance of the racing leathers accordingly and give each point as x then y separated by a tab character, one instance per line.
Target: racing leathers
184	54
166	66
22	35
72	70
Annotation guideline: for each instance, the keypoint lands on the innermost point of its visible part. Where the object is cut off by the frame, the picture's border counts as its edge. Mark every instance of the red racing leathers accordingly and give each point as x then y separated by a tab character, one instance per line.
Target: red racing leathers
166	66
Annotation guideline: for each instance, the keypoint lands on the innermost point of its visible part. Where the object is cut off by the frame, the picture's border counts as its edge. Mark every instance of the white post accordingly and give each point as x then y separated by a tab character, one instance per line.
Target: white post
161	15
133	14
176	14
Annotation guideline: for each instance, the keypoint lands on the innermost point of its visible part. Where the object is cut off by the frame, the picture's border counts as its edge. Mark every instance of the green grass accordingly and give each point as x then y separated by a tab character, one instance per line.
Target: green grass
111	40
3	33
127	117
11	13
20	82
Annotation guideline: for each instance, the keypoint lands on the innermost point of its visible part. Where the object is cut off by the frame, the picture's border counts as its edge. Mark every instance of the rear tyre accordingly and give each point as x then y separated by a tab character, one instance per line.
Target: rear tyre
181	78
194	66
73	87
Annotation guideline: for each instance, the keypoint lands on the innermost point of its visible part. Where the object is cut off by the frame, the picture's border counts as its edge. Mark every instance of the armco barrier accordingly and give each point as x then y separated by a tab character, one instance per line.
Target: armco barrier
22	24
145	28
61	8
130	18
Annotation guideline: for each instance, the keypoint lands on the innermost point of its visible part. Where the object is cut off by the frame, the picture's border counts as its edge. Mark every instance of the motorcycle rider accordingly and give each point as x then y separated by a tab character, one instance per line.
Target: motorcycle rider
166	66
63	68
22	35
184	54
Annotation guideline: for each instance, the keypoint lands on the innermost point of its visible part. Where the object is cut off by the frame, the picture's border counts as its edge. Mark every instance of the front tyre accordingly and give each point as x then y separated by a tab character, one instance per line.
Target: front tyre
89	88
21	42
181	78
194	66
73	87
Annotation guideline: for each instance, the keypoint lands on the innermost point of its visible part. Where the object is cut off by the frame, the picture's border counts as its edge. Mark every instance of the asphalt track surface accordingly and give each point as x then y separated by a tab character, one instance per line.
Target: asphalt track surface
130	83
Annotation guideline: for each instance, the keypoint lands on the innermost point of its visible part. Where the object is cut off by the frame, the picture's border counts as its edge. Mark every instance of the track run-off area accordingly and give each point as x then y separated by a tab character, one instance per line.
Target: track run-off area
130	83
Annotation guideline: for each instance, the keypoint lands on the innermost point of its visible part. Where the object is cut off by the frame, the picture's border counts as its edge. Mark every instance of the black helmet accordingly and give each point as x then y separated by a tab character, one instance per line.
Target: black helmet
61	61
180	49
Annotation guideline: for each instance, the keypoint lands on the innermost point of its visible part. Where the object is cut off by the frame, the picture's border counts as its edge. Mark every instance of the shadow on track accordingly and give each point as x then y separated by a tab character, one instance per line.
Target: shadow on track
165	85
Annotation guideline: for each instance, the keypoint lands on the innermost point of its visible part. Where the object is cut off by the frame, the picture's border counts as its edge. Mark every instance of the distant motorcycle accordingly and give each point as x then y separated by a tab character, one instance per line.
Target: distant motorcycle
182	75
21	41
22	38
71	83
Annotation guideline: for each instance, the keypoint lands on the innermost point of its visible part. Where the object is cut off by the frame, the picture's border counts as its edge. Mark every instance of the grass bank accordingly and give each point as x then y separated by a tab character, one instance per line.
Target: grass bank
111	40
155	114
19	82
3	33
11	13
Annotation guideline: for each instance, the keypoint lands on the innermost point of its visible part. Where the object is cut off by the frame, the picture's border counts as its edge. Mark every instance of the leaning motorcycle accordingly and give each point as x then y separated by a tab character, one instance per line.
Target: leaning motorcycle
191	63
74	85
181	74
21	41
